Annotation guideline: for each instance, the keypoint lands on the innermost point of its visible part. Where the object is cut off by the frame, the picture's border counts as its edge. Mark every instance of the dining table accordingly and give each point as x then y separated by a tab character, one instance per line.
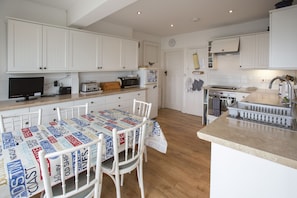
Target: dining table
20	174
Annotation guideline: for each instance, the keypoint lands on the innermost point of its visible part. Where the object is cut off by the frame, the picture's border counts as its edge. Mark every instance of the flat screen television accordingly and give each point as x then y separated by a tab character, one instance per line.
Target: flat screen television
25	87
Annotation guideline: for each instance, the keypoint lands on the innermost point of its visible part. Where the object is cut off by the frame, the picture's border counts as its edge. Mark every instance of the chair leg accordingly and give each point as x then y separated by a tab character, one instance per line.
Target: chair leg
122	179
145	154
117	185
140	179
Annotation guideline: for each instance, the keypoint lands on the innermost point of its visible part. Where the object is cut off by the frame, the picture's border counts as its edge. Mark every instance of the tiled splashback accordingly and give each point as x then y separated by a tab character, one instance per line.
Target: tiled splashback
228	72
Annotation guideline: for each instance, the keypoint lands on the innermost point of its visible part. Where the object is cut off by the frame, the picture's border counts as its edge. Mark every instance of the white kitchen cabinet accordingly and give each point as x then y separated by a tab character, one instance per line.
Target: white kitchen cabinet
24	44
254	51
119	101
129	55
49	112
36	48
11	113
283	39
95	104
55	49
84	51
151	53
111	53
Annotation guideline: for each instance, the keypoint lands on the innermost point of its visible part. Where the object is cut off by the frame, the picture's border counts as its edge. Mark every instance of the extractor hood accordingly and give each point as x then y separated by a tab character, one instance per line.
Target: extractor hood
226	45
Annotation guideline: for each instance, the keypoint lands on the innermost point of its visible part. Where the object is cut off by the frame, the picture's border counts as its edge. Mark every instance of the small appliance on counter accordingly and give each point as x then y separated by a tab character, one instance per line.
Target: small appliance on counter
90	88
64	90
129	81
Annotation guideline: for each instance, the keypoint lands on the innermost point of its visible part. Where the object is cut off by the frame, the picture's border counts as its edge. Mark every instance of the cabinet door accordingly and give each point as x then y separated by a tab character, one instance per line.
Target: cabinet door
55	49
7	123
83	51
111	53
151	53
263	50
248	51
283	39
254	51
24	46
129	55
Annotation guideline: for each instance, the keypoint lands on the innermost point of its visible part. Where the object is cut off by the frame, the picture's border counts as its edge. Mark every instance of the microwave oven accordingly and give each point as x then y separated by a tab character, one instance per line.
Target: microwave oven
129	82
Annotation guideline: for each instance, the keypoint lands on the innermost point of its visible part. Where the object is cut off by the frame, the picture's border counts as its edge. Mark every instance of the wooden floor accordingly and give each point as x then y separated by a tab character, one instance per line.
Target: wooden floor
182	172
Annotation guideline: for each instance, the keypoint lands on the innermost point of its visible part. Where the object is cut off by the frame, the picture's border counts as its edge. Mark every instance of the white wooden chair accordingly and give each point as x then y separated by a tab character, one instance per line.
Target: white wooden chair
132	141
73	111
143	109
19	121
87	183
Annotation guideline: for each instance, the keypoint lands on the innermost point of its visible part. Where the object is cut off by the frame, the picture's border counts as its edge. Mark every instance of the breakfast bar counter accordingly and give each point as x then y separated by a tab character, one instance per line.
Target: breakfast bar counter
250	159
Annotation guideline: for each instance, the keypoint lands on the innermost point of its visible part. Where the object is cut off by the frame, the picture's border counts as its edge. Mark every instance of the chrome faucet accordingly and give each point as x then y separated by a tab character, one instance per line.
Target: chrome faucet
283	78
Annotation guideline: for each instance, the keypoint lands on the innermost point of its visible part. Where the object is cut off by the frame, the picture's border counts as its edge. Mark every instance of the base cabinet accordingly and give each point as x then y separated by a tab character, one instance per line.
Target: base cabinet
122	101
237	174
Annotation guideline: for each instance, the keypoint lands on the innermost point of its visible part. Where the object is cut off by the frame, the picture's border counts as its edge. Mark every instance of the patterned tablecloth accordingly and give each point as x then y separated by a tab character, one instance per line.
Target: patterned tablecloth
19	163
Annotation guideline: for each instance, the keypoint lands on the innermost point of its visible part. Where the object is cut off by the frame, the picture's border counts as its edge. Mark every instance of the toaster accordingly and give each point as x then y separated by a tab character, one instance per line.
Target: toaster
89	87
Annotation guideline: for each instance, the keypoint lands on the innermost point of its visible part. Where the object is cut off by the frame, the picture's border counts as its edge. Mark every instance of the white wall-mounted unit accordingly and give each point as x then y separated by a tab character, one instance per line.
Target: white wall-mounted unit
226	45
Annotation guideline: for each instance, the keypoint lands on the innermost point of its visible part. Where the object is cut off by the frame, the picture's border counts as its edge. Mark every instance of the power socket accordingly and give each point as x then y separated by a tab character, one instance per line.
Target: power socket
55	83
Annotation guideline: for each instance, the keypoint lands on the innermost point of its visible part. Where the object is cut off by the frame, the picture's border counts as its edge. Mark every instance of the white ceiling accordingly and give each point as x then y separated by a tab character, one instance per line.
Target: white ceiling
157	15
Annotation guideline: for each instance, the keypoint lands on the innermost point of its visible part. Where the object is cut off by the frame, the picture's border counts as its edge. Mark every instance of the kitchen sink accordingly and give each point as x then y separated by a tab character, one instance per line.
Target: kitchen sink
279	116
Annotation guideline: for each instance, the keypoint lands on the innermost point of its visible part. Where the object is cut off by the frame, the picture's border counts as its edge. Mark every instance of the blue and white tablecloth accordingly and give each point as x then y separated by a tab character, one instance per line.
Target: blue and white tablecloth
19	163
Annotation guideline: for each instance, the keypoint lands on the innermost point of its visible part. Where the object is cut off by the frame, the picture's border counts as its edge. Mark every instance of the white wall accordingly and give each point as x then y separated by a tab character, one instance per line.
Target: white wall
228	72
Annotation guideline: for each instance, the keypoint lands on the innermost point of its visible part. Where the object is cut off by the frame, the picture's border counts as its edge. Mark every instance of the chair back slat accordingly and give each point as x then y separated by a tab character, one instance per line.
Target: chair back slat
141	108
19	121
73	111
84	180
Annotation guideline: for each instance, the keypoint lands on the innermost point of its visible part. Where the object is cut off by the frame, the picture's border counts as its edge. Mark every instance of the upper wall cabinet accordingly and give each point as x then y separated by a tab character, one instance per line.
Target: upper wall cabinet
151	54
254	51
85	51
129	55
283	39
36	48
111	53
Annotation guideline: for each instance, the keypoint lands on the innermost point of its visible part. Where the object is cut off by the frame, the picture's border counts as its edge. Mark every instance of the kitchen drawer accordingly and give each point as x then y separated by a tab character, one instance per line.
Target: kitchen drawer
117	98
124	105
11	113
138	95
49	112
95	104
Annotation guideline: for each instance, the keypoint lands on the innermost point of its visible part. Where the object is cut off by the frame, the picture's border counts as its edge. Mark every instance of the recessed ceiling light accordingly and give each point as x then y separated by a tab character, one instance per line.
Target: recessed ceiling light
138	12
230	11
171	25
195	19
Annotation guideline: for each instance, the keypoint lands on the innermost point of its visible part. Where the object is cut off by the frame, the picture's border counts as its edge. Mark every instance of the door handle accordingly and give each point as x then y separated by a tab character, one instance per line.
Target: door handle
165	72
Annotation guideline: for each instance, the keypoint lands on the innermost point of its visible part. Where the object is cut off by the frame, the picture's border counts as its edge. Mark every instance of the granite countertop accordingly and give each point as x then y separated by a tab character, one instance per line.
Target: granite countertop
272	143
12	104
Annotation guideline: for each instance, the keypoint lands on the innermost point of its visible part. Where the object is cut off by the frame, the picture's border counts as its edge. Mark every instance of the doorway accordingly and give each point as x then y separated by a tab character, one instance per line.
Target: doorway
174	69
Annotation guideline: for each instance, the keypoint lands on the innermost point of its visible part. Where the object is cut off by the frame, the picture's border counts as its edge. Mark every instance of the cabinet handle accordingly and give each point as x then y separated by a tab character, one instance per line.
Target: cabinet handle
119	97
26	123
92	111
99	67
40	67
124	67
44	68
119	105
54	109
54	119
92	102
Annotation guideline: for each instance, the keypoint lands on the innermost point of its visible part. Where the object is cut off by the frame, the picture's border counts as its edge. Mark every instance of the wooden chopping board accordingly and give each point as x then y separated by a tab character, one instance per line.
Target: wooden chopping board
106	86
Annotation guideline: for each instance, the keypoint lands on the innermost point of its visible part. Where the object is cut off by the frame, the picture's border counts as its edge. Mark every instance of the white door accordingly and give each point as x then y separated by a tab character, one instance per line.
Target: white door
174	61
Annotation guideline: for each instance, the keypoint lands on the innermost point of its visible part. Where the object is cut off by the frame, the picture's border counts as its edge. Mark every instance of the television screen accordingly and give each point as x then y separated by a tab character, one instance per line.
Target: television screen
25	87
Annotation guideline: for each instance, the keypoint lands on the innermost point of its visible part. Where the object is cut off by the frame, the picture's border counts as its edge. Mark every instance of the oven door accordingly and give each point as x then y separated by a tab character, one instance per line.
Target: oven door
217	104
